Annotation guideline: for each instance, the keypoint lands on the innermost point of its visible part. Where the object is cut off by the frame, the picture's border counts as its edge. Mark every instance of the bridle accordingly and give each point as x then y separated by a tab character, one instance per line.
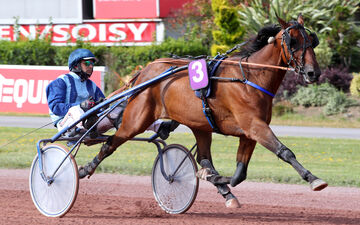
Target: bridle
286	40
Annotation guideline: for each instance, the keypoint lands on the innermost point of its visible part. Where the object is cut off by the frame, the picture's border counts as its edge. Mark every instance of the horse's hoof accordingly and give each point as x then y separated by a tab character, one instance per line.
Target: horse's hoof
232	203
318	185
203	173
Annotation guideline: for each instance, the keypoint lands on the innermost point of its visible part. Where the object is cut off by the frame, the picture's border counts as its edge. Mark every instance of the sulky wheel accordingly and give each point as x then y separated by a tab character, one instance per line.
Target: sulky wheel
57	198
177	195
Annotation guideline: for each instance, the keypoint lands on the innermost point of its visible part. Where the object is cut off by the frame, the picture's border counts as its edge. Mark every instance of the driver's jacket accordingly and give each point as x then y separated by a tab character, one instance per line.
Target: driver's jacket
68	91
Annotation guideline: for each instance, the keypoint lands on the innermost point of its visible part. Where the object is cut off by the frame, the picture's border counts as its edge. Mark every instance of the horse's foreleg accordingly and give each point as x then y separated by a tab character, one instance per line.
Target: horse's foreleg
244	153
203	140
262	133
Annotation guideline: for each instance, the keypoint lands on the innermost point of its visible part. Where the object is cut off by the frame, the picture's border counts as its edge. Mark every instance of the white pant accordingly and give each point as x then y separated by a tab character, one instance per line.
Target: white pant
104	125
71	116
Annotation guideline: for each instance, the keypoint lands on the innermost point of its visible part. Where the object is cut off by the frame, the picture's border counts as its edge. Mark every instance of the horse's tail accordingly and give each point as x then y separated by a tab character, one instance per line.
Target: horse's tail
128	84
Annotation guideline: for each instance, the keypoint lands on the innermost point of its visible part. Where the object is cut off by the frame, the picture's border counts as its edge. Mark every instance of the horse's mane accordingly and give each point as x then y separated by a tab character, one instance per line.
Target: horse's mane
259	41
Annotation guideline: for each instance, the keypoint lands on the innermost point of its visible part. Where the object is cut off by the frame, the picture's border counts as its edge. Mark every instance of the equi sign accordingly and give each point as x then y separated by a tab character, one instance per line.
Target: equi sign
22	88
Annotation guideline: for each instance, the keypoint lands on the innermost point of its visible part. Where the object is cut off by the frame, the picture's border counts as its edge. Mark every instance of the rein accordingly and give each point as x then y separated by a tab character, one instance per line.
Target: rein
244	80
243	63
256	64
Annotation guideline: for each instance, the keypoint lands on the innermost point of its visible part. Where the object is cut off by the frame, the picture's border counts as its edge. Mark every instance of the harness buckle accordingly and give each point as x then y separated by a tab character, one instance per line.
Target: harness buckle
207	109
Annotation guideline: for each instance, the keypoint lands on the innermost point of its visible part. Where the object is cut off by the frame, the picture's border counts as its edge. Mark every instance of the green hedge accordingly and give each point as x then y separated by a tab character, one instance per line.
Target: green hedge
119	59
333	100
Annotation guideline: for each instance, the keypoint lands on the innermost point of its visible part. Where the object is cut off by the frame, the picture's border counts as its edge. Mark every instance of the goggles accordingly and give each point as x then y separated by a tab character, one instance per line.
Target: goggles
87	63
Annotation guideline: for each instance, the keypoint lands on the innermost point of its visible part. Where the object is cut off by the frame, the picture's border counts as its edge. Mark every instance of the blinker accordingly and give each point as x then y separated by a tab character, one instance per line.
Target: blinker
287	38
315	40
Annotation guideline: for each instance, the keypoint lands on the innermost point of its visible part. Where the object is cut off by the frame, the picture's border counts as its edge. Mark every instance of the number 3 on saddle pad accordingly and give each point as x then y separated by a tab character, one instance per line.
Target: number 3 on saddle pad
198	74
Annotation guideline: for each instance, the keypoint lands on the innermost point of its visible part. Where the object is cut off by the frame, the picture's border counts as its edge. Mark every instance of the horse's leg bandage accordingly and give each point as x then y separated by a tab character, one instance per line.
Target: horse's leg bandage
288	156
239	175
89	168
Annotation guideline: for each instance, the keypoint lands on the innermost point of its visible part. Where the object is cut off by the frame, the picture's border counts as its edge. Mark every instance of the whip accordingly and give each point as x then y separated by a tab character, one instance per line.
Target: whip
30	132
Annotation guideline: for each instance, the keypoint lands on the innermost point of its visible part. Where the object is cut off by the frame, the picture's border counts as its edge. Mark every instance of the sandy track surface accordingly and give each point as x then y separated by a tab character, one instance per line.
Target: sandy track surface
121	199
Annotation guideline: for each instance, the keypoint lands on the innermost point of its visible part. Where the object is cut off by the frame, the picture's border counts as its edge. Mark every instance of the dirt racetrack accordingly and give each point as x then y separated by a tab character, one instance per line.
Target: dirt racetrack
119	199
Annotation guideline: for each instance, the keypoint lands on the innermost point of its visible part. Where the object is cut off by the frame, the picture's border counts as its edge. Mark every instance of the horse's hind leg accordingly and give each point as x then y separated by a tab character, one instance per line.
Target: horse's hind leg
262	133
136	119
244	153
203	140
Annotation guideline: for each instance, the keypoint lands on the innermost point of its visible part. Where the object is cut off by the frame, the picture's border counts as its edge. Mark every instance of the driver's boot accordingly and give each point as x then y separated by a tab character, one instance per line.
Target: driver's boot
166	127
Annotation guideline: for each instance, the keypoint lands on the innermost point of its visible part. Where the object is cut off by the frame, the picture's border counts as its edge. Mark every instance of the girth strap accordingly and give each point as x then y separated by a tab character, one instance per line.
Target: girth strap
208	113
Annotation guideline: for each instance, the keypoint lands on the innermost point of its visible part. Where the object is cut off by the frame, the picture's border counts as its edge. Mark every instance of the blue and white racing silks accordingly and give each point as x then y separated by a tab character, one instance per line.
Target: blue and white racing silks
68	91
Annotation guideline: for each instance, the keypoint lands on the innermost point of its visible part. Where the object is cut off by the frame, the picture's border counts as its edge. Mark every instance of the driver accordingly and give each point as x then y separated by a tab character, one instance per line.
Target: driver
71	94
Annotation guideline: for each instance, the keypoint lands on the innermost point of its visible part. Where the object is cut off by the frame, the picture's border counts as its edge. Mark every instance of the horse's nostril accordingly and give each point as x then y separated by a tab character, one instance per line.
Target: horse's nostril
310	73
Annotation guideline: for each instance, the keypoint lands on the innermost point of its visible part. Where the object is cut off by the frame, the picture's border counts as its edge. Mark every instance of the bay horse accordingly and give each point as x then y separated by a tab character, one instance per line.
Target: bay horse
238	109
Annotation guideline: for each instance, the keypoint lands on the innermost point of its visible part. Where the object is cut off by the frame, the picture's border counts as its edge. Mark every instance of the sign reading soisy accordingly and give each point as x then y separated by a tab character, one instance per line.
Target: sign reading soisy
99	33
22	88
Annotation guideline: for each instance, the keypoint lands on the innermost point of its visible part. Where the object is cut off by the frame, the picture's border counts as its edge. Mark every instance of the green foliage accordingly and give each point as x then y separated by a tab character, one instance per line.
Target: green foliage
41	52
345	34
282	108
324	54
336	104
355	85
313	95
229	31
326	95
33	52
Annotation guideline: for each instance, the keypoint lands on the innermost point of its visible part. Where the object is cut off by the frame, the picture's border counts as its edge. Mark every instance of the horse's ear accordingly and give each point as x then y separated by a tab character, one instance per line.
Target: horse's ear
283	24
300	19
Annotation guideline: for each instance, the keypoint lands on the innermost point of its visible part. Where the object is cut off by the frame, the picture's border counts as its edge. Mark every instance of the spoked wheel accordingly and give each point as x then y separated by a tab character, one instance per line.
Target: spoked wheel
57	198
177	195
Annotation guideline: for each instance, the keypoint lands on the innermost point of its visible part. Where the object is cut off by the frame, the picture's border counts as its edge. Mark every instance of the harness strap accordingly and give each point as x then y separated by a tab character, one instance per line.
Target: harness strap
208	113
246	81
259	88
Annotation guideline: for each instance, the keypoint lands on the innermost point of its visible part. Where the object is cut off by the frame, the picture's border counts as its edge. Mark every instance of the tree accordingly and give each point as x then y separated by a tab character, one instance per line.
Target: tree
228	31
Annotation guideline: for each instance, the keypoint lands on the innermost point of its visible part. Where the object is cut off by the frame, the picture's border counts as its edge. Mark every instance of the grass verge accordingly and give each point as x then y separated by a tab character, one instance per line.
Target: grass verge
294	119
334	160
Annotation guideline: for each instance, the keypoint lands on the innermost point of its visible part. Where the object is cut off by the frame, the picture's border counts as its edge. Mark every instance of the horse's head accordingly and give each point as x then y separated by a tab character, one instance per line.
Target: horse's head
298	43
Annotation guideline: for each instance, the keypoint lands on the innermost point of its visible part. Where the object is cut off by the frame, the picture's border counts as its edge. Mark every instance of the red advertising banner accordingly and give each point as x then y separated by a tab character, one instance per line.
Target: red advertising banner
125	9
105	33
131	9
23	88
166	7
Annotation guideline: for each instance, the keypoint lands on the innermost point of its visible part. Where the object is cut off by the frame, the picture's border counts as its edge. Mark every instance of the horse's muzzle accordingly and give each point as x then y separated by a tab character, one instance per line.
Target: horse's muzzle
311	74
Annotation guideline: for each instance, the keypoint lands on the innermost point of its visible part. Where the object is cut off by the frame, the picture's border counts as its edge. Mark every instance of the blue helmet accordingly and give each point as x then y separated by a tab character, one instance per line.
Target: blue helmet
78	55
